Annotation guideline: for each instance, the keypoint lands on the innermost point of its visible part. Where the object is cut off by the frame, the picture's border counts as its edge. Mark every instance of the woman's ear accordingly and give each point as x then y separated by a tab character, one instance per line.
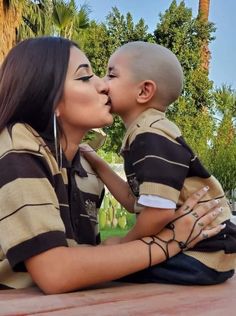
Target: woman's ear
146	91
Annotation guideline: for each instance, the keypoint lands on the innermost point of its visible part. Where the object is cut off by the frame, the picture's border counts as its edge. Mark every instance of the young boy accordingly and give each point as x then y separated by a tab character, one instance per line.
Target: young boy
161	169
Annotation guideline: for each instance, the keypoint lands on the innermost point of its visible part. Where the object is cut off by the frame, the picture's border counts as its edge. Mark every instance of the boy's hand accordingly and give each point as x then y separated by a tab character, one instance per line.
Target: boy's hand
90	155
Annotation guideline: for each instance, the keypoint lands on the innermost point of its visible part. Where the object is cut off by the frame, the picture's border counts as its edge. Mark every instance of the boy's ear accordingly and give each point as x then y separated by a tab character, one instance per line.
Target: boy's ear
146	91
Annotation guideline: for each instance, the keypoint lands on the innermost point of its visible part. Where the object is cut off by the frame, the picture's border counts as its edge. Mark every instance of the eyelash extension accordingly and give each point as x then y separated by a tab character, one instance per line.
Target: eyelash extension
85	78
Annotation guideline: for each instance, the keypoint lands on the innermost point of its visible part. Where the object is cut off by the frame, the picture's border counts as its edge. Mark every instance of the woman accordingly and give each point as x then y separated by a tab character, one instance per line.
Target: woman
49	99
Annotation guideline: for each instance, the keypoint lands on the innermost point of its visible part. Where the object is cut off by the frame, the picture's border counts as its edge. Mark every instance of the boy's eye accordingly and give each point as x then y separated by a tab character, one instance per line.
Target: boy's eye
85	78
110	76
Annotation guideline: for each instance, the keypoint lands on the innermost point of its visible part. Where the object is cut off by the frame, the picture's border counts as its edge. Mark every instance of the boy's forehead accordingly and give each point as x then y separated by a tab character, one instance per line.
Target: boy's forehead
118	59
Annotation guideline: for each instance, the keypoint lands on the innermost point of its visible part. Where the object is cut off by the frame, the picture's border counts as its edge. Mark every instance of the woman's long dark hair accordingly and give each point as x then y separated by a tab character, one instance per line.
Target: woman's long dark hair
32	78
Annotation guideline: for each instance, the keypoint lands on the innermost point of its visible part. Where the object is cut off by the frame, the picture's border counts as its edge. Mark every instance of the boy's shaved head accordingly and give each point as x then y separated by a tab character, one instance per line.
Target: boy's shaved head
148	61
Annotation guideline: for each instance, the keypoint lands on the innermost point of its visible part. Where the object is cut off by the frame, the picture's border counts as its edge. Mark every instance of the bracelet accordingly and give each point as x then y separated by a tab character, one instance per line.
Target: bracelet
156	241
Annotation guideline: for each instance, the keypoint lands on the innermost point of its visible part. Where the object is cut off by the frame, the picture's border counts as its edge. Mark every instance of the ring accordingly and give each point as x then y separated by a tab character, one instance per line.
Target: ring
195	214
187	208
200	224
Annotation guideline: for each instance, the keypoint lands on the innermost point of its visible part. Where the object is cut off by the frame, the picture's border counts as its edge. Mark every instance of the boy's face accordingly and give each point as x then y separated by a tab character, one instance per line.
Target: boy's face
122	86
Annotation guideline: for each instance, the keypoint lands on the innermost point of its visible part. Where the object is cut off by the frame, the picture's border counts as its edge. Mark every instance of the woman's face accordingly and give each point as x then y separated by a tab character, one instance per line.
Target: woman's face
84	102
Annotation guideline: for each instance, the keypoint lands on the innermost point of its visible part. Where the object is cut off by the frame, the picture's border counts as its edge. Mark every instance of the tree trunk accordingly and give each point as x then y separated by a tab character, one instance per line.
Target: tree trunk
10	19
233	202
203	13
203	9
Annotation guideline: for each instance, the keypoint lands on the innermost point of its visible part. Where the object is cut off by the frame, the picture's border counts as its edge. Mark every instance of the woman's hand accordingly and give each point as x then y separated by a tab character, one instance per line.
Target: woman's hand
191	225
195	219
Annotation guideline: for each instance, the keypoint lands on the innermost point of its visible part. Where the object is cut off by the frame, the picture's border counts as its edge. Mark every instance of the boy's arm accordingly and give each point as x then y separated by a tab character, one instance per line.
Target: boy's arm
149	221
115	184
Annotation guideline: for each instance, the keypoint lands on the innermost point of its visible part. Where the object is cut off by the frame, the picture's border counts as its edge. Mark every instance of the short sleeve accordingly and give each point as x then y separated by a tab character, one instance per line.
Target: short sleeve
160	165
30	221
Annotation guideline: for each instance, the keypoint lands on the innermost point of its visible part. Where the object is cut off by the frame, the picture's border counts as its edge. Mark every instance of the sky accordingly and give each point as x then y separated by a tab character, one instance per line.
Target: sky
222	14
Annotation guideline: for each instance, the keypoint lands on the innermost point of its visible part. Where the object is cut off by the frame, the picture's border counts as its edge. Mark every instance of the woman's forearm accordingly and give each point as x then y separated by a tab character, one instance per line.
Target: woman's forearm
65	269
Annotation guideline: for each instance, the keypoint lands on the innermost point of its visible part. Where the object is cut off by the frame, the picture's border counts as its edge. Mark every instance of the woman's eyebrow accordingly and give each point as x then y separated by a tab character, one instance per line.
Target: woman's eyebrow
81	66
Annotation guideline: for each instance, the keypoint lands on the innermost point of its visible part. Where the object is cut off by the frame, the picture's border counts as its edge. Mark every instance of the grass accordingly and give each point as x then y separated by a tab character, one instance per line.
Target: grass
110	232
105	233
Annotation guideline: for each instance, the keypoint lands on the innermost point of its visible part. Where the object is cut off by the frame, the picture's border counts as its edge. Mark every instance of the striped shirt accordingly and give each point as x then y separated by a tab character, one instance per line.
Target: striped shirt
41	206
158	161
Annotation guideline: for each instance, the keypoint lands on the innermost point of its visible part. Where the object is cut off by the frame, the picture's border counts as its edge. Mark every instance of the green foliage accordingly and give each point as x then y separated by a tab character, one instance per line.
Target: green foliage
36	19
121	29
53	17
222	156
106	233
110	156
63	15
185	35
113	216
95	41
196	126
116	133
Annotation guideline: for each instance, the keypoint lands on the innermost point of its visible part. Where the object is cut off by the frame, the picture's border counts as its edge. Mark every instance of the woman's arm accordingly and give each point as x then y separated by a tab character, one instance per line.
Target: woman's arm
65	269
115	184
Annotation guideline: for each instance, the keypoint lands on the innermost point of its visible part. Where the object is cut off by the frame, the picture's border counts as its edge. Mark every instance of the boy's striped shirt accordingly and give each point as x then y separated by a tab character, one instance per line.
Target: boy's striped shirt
159	162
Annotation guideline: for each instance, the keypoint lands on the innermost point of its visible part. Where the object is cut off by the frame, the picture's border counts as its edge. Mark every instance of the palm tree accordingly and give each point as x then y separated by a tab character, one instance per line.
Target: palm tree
224	141
203	9
68	21
62	17
203	14
81	22
10	20
20	19
36	19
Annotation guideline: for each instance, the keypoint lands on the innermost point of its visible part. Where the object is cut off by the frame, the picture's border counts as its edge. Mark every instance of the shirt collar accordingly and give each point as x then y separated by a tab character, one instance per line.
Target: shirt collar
75	164
144	119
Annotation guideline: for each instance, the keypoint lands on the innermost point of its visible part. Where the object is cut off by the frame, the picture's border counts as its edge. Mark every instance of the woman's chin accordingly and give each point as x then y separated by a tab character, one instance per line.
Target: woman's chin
108	122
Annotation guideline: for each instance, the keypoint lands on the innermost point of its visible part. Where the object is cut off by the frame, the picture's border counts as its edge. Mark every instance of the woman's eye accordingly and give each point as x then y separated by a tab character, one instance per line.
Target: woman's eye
85	78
